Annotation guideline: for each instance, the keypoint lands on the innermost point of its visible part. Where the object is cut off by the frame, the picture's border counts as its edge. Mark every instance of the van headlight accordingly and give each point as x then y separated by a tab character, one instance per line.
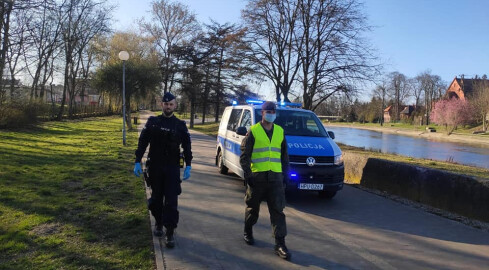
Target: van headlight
338	160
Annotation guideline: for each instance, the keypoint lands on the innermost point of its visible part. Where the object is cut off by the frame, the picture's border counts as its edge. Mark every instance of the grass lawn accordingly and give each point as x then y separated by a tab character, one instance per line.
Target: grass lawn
68	199
207	128
211	130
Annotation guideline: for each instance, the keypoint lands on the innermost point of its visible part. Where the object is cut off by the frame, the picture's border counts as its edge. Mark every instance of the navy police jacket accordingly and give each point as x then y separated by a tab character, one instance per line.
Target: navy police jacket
164	135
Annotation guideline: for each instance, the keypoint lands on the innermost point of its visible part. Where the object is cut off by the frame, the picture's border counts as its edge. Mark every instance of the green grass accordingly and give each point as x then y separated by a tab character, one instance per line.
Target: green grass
68	198
207	128
211	130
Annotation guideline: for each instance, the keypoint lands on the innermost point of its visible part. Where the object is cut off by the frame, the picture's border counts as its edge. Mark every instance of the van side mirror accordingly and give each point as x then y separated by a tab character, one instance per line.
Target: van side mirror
331	134
241	131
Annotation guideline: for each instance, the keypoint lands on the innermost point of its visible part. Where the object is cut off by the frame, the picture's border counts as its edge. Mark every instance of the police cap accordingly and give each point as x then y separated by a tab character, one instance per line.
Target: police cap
168	97
268	106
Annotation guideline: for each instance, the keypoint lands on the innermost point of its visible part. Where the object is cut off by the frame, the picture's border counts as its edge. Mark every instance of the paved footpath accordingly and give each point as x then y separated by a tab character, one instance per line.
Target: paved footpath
355	230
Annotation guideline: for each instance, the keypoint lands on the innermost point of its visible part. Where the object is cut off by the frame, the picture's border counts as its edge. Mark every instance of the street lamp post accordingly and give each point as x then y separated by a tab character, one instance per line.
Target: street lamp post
124	56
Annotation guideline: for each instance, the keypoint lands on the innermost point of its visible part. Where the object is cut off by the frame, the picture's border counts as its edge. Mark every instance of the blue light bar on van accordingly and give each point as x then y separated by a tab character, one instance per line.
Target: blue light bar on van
290	104
234	102
255	101
294	176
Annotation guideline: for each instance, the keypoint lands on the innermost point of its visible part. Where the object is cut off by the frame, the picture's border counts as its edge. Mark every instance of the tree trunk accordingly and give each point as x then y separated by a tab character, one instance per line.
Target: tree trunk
12	86
4	28
192	109
63	99
218	103
484	122
128	113
277	91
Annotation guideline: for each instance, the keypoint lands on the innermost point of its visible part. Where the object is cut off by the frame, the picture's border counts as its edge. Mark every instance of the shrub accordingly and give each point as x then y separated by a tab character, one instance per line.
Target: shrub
17	113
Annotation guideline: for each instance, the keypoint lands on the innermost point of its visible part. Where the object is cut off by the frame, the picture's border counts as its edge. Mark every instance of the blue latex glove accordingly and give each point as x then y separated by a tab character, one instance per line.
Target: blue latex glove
186	173
137	169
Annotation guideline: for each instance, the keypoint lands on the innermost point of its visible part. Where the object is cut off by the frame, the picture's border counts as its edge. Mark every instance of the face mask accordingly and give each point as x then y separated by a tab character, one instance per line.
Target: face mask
270	117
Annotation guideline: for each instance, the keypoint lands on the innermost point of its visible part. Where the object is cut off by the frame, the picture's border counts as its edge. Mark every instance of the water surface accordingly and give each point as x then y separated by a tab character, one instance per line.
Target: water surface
413	147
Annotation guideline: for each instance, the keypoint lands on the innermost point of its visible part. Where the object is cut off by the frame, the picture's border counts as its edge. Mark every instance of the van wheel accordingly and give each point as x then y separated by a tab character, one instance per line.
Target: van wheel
326	194
220	166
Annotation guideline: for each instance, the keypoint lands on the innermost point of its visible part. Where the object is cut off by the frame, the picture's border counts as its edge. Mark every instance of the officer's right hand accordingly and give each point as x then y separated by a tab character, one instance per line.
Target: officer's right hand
137	169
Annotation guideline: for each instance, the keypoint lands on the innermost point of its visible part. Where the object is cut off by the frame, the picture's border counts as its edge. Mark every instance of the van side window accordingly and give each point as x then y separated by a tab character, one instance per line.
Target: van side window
246	120
223	124
234	119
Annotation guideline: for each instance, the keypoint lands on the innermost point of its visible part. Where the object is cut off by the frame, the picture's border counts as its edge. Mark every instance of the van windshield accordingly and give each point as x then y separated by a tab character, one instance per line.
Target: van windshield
297	123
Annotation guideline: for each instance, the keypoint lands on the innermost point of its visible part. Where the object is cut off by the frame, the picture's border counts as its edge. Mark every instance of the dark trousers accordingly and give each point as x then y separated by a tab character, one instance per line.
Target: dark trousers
267	186
165	186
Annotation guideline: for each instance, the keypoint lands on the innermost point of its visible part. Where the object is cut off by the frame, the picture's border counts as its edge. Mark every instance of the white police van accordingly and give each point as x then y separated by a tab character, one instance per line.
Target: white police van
316	162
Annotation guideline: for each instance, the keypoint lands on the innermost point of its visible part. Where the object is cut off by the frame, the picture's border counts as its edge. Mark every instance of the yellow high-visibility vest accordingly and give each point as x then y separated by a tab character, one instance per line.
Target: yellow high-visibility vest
266	154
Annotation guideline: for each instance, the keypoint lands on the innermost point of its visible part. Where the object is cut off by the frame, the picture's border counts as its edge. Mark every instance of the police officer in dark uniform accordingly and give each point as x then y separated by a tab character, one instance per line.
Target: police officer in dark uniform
165	134
265	162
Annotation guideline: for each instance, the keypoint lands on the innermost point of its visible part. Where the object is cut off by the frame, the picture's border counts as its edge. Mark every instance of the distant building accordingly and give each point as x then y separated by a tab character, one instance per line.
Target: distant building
7	82
462	88
406	112
91	96
387	114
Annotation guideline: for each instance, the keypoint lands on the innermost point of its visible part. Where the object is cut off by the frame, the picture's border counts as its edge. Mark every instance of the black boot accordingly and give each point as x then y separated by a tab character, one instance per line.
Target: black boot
248	236
281	250
158	230
169	240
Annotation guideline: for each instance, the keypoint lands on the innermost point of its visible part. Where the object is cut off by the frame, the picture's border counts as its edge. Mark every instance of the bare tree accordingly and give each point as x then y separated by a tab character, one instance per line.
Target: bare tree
172	24
480	100
16	43
5	12
334	54
192	71
431	86
226	67
399	91
142	75
82	21
380	92
416	91
7	9
271	27
44	30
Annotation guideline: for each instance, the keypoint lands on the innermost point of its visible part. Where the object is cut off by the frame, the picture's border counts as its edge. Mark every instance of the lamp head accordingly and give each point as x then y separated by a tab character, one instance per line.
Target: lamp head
123	55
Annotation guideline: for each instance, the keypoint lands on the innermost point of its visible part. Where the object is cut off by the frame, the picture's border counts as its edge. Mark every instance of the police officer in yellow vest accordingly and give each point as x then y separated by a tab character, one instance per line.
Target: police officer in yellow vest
264	160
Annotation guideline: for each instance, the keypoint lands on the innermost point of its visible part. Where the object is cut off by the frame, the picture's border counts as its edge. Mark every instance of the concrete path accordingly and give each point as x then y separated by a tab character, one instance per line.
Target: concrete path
355	230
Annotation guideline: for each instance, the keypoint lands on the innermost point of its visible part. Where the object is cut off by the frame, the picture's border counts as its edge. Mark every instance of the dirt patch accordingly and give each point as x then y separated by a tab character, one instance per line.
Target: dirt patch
72	185
46	229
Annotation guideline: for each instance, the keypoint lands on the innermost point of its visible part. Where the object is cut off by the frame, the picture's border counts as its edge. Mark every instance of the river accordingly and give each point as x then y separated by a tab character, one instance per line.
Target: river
413	147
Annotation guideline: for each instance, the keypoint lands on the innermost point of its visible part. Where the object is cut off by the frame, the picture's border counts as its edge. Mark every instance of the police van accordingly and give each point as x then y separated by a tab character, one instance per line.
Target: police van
316	162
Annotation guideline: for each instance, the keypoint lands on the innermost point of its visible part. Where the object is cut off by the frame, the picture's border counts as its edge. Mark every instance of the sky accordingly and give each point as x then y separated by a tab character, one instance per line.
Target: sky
447	37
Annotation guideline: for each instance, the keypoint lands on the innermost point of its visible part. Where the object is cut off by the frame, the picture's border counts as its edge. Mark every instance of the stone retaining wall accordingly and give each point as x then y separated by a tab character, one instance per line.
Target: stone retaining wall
460	194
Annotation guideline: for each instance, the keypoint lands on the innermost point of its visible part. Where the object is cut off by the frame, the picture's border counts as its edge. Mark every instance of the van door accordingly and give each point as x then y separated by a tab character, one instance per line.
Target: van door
246	120
232	142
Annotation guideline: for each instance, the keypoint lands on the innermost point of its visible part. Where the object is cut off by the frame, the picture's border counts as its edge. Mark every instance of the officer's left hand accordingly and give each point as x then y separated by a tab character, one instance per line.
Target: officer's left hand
186	173
137	169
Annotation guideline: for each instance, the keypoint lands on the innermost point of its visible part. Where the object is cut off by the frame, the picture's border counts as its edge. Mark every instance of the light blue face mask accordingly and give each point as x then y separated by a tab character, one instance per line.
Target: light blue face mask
270	117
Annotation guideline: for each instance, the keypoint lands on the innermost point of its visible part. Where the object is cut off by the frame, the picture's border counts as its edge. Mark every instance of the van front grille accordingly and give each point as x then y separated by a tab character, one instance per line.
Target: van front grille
302	159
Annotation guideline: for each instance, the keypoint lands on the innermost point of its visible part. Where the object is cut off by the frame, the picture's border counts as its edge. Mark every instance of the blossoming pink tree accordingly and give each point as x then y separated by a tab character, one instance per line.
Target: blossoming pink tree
451	113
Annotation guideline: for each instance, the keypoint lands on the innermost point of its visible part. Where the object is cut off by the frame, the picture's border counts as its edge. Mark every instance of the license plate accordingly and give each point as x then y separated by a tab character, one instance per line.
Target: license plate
311	186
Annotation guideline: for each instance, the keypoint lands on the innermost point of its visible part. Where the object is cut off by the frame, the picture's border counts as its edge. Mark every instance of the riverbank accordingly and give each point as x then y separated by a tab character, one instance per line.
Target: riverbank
440	135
